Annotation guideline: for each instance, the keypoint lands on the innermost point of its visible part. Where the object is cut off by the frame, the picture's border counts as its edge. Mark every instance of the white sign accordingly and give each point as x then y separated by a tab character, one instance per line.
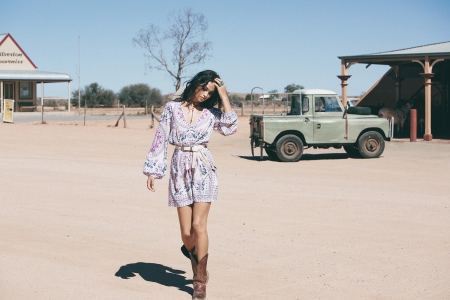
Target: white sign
12	57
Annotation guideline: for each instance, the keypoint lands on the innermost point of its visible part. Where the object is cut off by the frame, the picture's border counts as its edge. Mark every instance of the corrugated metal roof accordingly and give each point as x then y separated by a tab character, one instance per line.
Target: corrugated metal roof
434	50
426	49
34	75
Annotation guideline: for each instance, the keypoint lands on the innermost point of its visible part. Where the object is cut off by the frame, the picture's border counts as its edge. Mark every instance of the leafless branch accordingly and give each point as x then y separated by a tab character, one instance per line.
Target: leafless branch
186	31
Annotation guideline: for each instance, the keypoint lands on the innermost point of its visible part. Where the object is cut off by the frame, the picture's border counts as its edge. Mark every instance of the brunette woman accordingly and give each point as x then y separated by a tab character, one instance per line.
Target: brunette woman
187	124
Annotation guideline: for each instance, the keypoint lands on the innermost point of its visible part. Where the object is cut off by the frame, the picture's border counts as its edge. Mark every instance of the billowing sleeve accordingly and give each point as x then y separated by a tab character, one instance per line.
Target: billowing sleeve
225	123
156	162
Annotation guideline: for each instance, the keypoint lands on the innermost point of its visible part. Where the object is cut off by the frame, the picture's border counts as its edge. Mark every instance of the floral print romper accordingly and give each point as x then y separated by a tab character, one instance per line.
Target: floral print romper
193	177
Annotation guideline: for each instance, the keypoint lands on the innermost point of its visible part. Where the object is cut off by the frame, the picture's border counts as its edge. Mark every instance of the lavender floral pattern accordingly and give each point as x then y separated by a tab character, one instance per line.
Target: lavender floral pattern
190	181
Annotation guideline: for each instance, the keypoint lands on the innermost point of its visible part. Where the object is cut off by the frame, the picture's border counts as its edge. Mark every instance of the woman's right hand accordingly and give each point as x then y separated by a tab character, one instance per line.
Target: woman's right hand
151	183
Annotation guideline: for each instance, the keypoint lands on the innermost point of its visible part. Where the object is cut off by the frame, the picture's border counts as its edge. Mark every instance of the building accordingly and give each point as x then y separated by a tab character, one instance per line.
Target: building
19	77
418	75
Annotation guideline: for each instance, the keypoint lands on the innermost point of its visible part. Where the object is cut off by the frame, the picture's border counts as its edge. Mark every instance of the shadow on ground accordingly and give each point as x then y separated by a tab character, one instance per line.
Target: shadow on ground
156	273
322	156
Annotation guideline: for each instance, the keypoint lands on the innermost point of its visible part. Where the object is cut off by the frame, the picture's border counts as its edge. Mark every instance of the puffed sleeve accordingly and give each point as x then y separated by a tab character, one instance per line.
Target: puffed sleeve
225	123
156	162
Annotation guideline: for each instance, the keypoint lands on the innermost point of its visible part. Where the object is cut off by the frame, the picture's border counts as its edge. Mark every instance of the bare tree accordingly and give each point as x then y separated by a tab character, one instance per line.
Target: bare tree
186	31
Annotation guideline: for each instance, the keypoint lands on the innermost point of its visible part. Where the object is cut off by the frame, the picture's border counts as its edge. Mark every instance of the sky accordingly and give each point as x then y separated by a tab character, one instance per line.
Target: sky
267	44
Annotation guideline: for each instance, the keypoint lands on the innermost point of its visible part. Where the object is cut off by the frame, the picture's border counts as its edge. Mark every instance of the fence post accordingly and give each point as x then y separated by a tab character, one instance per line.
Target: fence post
153	117
242	109
124	118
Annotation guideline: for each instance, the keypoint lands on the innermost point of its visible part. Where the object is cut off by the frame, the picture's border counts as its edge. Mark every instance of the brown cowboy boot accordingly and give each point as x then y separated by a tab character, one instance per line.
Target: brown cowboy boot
193	262
200	279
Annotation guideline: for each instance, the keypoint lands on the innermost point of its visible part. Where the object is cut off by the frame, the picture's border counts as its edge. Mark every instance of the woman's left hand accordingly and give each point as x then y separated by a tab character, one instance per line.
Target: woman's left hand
221	88
223	94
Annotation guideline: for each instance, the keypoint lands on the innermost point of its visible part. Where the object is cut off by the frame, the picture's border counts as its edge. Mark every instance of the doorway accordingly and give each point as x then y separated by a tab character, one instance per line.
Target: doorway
8	90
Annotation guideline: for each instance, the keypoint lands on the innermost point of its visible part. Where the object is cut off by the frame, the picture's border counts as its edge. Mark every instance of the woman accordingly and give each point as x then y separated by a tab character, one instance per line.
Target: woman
187	123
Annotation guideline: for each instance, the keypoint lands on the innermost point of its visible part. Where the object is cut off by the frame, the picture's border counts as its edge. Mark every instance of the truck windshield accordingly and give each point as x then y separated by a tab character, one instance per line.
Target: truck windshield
326	104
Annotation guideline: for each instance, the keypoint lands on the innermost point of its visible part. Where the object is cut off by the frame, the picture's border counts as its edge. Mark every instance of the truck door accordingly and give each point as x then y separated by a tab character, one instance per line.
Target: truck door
329	126
300	108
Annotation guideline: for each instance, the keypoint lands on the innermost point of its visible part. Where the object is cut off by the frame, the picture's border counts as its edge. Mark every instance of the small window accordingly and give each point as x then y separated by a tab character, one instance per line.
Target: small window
25	90
319	104
305	104
295	105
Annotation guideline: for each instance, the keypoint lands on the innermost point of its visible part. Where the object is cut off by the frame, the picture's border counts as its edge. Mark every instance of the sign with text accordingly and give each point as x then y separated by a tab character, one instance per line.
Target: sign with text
8	113
12	56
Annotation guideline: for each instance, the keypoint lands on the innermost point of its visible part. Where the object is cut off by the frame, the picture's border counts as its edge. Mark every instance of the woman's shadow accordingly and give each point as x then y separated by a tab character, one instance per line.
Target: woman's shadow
156	273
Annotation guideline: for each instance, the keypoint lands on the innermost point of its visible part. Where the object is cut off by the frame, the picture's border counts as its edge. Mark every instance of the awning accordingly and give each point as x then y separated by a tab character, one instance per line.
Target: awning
34	75
433	51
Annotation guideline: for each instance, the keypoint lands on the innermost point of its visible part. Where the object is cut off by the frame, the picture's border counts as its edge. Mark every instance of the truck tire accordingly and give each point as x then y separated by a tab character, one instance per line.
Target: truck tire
352	151
271	153
370	144
289	148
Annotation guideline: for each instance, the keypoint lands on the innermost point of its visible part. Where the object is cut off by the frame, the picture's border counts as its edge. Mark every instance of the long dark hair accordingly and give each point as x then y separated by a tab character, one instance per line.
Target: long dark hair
201	80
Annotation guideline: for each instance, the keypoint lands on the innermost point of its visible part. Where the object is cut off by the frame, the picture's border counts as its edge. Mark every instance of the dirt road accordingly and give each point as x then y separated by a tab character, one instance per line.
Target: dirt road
77	222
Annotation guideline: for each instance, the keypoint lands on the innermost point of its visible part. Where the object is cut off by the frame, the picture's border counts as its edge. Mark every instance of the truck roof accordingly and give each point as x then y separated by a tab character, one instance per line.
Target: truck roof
314	91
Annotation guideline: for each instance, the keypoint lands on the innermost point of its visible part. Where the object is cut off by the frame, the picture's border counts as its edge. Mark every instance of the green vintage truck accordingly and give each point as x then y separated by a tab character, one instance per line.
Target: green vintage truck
317	119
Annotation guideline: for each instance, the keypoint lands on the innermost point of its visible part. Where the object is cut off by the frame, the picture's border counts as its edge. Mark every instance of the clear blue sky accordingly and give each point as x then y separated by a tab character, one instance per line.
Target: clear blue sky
255	43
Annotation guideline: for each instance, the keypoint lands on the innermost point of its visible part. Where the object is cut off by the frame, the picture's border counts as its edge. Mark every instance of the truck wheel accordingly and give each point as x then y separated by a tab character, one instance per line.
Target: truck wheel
272	154
352	151
289	148
371	144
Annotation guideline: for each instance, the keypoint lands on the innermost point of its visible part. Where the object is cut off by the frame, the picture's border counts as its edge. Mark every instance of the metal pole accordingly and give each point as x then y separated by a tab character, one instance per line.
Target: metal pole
42	102
79	91
84	119
251	96
146	107
68	96
264	105
286	104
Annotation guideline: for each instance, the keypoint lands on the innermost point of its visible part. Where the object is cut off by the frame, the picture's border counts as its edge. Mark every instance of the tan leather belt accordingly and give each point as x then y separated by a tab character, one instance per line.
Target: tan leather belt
196	152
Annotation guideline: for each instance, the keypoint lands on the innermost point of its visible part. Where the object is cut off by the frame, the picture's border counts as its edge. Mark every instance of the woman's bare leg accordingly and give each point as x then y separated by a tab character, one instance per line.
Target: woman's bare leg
185	217
200	213
193	219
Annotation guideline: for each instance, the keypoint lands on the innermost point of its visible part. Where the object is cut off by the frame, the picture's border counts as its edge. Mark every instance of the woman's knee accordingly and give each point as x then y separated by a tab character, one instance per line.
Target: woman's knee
199	227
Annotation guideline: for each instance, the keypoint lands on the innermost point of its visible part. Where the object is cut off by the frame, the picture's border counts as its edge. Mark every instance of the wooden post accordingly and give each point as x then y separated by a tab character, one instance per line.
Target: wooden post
413	125
117	123
242	109
153	117
427	75
124	118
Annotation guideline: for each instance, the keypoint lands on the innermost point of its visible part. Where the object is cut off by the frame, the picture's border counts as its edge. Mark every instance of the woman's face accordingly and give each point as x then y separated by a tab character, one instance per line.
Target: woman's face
203	94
